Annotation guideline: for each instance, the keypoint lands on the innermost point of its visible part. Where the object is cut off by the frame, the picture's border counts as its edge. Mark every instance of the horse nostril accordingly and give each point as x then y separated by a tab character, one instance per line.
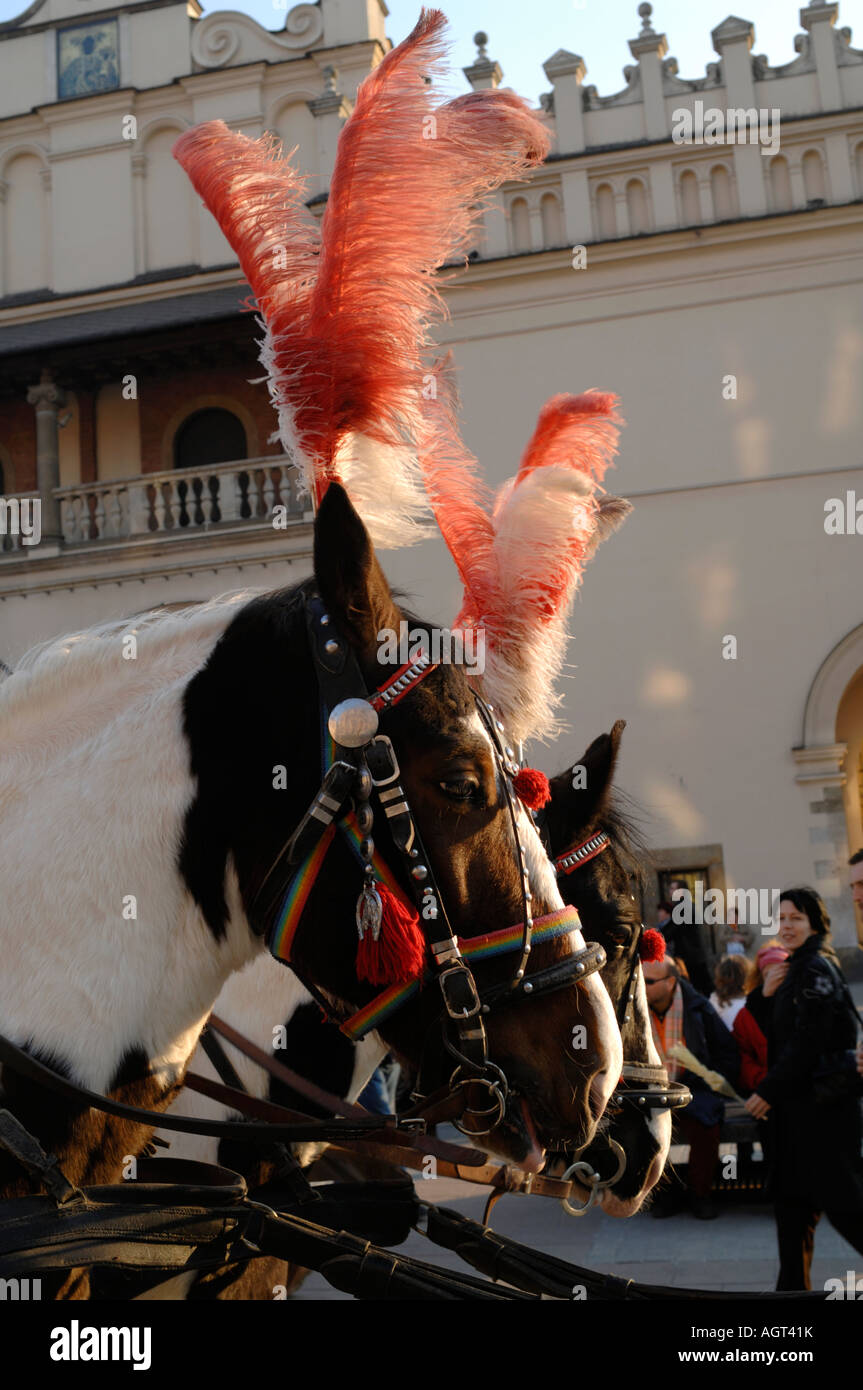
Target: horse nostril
601	1091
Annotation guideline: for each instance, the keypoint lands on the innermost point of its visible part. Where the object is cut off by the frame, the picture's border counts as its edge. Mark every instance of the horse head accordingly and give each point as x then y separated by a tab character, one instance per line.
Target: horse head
254	710
597	880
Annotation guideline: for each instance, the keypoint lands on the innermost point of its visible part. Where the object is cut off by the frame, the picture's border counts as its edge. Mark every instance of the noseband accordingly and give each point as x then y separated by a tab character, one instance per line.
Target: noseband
358	762
656	1091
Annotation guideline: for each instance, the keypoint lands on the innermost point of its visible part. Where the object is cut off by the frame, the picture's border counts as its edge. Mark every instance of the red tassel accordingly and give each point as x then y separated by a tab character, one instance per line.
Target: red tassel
652	945
398	954
531	787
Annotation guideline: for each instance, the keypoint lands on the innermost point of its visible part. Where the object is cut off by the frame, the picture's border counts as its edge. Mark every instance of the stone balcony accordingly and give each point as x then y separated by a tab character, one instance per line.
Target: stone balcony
160	523
173	503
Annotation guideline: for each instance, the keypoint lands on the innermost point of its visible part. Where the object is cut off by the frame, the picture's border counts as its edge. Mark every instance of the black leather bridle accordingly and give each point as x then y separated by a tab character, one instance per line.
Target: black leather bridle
653	1090
368	764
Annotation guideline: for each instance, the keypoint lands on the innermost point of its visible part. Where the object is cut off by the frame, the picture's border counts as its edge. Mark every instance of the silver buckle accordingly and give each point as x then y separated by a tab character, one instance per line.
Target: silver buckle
476	1008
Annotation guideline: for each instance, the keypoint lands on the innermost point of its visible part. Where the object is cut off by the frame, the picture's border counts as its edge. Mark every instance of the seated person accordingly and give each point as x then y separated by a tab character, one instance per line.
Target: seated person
679	1014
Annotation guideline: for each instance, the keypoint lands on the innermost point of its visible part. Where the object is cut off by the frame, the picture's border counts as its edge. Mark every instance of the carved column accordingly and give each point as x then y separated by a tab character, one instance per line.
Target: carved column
705	196
650	48
330	110
821	776
484	73
565	71
795	175
48	398
733	40
139	211
819	19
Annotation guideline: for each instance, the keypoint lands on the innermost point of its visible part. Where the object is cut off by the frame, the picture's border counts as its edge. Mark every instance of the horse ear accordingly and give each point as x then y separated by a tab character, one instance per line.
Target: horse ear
581	793
349	578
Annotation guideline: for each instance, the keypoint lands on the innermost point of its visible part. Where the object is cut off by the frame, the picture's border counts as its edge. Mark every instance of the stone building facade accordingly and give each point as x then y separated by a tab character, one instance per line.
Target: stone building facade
691	243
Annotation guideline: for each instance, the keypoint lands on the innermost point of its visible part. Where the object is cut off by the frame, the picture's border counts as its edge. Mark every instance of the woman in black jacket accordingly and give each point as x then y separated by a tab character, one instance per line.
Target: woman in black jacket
813	1150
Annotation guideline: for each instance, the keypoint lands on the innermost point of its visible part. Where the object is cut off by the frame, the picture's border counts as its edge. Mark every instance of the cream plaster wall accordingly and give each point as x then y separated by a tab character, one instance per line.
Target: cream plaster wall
118	433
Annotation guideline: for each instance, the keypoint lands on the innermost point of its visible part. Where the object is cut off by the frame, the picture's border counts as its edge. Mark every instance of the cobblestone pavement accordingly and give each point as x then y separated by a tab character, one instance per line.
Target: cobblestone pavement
737	1251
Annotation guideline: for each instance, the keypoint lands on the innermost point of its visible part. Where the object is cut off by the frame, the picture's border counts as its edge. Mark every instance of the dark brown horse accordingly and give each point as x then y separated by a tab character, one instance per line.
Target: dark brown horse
583	808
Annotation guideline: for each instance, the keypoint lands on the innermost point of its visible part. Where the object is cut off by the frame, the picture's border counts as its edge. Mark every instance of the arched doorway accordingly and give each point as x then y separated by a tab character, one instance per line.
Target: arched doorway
830	773
207	437
849	730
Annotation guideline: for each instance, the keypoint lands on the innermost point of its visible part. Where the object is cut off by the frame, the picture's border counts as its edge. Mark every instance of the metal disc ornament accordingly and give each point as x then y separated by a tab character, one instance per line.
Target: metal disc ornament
353	723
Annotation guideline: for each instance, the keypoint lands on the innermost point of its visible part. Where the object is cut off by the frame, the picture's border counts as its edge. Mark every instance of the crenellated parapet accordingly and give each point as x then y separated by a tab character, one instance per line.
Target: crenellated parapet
667	152
90	106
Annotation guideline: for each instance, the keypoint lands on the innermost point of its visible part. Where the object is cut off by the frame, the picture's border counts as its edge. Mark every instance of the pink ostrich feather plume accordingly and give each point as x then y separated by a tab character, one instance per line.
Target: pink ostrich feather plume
348	314
461	501
522	563
258	199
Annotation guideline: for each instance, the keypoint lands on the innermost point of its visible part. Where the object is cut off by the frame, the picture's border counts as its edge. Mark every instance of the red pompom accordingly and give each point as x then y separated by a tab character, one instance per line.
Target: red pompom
398	955
531	787
652	945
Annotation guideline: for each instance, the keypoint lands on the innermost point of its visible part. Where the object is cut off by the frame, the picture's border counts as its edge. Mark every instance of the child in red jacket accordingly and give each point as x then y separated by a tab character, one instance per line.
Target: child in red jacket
750	1039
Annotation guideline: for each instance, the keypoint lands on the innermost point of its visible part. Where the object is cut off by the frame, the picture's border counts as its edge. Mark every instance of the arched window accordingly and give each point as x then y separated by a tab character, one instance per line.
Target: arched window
813	177
780	185
209	437
690	203
606	214
636	206
552	222
720	191
520	224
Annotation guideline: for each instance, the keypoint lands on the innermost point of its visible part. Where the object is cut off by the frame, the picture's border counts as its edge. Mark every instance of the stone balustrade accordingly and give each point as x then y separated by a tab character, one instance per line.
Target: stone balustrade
178	503
12	541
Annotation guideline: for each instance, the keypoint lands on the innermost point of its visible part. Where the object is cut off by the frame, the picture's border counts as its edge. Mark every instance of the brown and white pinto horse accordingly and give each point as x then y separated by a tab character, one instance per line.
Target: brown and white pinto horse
264	996
138	815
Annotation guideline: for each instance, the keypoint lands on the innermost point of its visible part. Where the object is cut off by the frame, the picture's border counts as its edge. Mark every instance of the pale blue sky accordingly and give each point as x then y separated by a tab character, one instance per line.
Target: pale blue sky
523	33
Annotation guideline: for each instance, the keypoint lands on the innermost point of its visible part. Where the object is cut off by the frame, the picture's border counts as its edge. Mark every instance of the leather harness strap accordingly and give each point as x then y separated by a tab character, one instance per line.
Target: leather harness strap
294	1132
333	1104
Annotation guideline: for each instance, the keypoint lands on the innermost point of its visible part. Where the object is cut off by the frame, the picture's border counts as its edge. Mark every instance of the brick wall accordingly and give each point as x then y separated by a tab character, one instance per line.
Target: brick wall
18	441
166	401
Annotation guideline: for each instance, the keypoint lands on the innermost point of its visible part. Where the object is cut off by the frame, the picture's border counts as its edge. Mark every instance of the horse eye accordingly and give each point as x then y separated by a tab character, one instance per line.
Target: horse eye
462	790
619	935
